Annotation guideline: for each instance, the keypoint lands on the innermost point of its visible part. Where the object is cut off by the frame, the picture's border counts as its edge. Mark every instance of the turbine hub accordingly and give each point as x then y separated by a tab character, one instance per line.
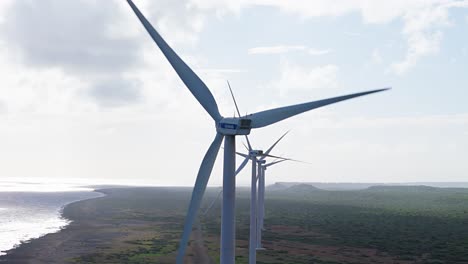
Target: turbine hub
255	153
234	126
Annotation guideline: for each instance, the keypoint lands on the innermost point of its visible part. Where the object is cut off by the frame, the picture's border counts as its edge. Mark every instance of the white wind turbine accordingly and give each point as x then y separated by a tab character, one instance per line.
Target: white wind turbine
261	198
258	212
259	165
226	128
258	158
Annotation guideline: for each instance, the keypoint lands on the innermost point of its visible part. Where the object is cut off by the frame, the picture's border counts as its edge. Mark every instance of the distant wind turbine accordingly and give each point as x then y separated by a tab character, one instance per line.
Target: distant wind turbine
254	156
258	158
261	198
226	128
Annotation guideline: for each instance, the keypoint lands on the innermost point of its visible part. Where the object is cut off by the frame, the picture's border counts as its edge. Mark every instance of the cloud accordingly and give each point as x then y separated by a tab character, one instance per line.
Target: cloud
299	78
116	92
99	43
376	57
74	36
280	49
318	52
77	38
220	71
423	20
423	34
69	71
275	49
352	34
3	107
421	122
178	21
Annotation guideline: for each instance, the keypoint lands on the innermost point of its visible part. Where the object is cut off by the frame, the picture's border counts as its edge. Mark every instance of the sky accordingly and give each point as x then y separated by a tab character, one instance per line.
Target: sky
85	93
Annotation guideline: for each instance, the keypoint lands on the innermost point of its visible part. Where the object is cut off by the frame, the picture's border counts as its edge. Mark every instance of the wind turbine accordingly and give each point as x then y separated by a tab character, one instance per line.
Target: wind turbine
261	198
262	166
227	129
258	158
256	170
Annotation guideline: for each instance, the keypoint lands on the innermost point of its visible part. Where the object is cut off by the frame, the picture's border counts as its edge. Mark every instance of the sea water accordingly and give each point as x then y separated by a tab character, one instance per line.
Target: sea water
32	210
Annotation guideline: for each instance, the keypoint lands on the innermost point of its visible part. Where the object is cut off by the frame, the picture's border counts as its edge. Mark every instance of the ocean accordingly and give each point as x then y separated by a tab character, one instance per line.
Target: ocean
32	210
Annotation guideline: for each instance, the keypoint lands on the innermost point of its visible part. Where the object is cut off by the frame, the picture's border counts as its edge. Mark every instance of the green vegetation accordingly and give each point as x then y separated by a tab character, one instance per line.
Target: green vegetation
407	223
412	224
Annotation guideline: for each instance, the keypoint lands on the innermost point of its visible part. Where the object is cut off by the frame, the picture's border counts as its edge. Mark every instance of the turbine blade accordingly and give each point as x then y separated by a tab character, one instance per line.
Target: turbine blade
248	143
213	203
242	155
239	169
273	163
247	148
239	114
273	156
234	99
190	79
272	146
197	194
283	158
272	116
300	161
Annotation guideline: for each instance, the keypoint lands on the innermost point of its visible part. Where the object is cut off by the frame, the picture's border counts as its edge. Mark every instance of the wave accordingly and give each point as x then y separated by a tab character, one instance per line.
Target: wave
29	215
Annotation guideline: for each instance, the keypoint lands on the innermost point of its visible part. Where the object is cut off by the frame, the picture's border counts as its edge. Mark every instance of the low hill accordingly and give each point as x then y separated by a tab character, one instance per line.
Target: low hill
399	188
293	188
301	188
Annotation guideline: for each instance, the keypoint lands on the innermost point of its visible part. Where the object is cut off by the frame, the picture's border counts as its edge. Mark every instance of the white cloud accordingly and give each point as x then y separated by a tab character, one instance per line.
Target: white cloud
393	148
299	78
48	124
220	71
275	49
280	49
420	122
353	34
318	52
376	57
423	33
423	20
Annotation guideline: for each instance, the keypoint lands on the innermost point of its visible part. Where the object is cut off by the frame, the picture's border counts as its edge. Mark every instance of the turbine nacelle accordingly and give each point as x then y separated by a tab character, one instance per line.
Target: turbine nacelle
255	153
234	126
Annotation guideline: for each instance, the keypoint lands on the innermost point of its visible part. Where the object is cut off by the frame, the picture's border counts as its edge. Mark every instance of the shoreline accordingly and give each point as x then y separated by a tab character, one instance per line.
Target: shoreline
125	225
144	225
28	251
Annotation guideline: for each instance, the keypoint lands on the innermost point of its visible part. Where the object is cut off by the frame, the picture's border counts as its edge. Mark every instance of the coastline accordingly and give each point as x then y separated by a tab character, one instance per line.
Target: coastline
144	224
39	250
127	225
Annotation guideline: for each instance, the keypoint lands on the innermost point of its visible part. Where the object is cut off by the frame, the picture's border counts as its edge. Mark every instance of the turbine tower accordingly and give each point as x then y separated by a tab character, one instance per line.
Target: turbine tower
227	129
254	156
258	158
261	198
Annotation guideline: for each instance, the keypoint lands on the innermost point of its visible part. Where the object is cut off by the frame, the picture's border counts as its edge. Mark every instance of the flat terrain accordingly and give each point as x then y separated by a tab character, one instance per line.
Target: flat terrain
404	224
